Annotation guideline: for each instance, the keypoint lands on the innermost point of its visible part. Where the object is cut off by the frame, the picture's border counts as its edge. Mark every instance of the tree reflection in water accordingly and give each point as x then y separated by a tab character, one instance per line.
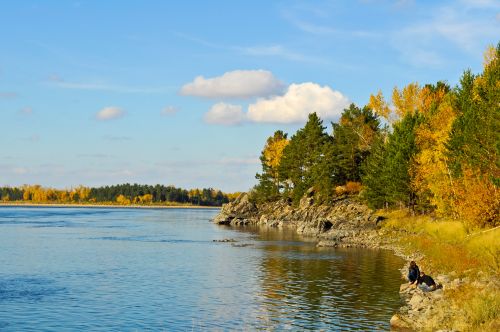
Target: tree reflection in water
304	287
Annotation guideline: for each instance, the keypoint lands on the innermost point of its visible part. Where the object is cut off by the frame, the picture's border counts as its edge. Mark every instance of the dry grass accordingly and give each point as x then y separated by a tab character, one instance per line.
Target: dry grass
448	247
445	243
474	310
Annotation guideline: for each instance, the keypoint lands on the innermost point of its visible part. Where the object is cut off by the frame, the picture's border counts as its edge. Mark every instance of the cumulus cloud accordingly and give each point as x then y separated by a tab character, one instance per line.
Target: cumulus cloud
235	84
296	104
109	113
225	114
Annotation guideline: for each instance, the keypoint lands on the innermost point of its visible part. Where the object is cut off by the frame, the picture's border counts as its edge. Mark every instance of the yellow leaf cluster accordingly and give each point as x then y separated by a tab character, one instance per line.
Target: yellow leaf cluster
121	199
144	199
430	168
274	151
378	104
477	200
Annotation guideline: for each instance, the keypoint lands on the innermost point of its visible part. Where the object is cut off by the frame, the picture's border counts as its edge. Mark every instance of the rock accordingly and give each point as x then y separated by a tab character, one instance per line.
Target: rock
405	288
240	209
224	240
327	243
443	279
416	301
398	323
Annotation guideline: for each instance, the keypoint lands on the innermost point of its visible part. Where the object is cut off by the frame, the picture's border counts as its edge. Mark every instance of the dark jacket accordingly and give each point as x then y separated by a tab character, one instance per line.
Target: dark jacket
427	280
413	273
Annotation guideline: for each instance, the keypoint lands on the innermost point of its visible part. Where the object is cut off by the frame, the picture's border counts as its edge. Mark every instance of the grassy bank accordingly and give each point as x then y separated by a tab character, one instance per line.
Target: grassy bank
472	259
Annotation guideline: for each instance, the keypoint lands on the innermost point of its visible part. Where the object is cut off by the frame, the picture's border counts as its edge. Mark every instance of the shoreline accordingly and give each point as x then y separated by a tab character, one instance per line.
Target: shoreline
465	299
105	206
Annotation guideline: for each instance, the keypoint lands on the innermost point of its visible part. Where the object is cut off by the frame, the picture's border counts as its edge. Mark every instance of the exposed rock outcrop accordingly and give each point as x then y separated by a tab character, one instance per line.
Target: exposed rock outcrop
343	223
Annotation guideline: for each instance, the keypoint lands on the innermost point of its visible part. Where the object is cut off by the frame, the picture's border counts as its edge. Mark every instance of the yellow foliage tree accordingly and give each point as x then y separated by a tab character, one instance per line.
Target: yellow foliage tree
272	154
121	199
144	199
430	172
378	104
477	200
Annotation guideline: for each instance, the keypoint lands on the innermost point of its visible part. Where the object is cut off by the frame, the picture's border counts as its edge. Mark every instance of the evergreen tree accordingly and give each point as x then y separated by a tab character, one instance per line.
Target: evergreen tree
387	177
353	138
303	162
375	175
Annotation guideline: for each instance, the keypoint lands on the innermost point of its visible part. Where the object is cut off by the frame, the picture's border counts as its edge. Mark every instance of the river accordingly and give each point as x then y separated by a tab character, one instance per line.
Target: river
73	269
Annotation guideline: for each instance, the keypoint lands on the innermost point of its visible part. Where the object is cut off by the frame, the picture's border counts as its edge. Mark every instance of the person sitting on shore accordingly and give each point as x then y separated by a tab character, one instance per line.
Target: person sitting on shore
426	283
413	273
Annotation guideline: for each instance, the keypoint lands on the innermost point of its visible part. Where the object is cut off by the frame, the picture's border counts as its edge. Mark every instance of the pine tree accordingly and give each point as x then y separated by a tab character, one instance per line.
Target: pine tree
353	138
303	161
387	177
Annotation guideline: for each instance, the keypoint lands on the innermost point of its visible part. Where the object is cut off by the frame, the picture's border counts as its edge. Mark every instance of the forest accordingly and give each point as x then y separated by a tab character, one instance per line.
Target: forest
432	149
122	194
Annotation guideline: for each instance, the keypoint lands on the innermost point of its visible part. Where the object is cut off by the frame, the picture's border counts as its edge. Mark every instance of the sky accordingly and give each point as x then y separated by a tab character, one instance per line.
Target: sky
186	93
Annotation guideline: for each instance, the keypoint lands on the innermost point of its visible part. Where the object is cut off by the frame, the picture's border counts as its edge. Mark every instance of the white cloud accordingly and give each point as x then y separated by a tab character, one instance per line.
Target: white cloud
169	110
296	104
57	81
279	51
109	113
225	114
234	84
458	24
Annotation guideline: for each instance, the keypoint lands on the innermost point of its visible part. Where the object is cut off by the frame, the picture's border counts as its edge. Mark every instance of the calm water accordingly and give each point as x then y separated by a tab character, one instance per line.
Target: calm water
122	269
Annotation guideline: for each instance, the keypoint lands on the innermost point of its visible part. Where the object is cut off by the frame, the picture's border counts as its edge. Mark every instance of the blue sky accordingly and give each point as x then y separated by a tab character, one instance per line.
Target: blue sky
186	93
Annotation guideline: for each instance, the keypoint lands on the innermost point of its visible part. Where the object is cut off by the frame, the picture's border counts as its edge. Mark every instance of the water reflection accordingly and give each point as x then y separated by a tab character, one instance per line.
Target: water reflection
160	270
304	287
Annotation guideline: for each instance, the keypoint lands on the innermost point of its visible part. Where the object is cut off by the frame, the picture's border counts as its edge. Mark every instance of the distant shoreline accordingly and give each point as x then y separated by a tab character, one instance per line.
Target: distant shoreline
104	206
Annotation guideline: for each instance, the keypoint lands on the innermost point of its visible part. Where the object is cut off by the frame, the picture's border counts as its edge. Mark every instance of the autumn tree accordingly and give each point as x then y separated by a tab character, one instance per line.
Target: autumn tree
474	145
269	184
431	177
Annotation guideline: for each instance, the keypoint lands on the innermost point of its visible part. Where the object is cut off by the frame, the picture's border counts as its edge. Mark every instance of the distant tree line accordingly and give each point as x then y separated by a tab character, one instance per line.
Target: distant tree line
122	194
432	149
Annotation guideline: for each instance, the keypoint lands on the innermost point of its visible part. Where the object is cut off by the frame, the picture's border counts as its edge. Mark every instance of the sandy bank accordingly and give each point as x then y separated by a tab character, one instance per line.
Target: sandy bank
106	206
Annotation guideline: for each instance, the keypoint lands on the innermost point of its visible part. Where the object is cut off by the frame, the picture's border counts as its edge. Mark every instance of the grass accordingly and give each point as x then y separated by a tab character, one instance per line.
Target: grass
446	244
447	247
473	310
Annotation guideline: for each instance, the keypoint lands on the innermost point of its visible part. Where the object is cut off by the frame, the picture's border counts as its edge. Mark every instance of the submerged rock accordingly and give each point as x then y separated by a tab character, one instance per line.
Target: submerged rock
224	240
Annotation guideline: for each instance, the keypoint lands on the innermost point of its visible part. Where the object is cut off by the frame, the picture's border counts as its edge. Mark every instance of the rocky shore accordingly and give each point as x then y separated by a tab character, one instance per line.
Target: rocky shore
345	223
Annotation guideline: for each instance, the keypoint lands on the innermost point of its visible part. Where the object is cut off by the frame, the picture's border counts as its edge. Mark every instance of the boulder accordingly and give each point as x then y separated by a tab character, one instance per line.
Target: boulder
398	322
237	212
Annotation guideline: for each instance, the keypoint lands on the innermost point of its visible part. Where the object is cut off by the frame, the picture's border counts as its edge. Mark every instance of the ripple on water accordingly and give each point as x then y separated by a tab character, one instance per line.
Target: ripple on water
26	288
159	270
